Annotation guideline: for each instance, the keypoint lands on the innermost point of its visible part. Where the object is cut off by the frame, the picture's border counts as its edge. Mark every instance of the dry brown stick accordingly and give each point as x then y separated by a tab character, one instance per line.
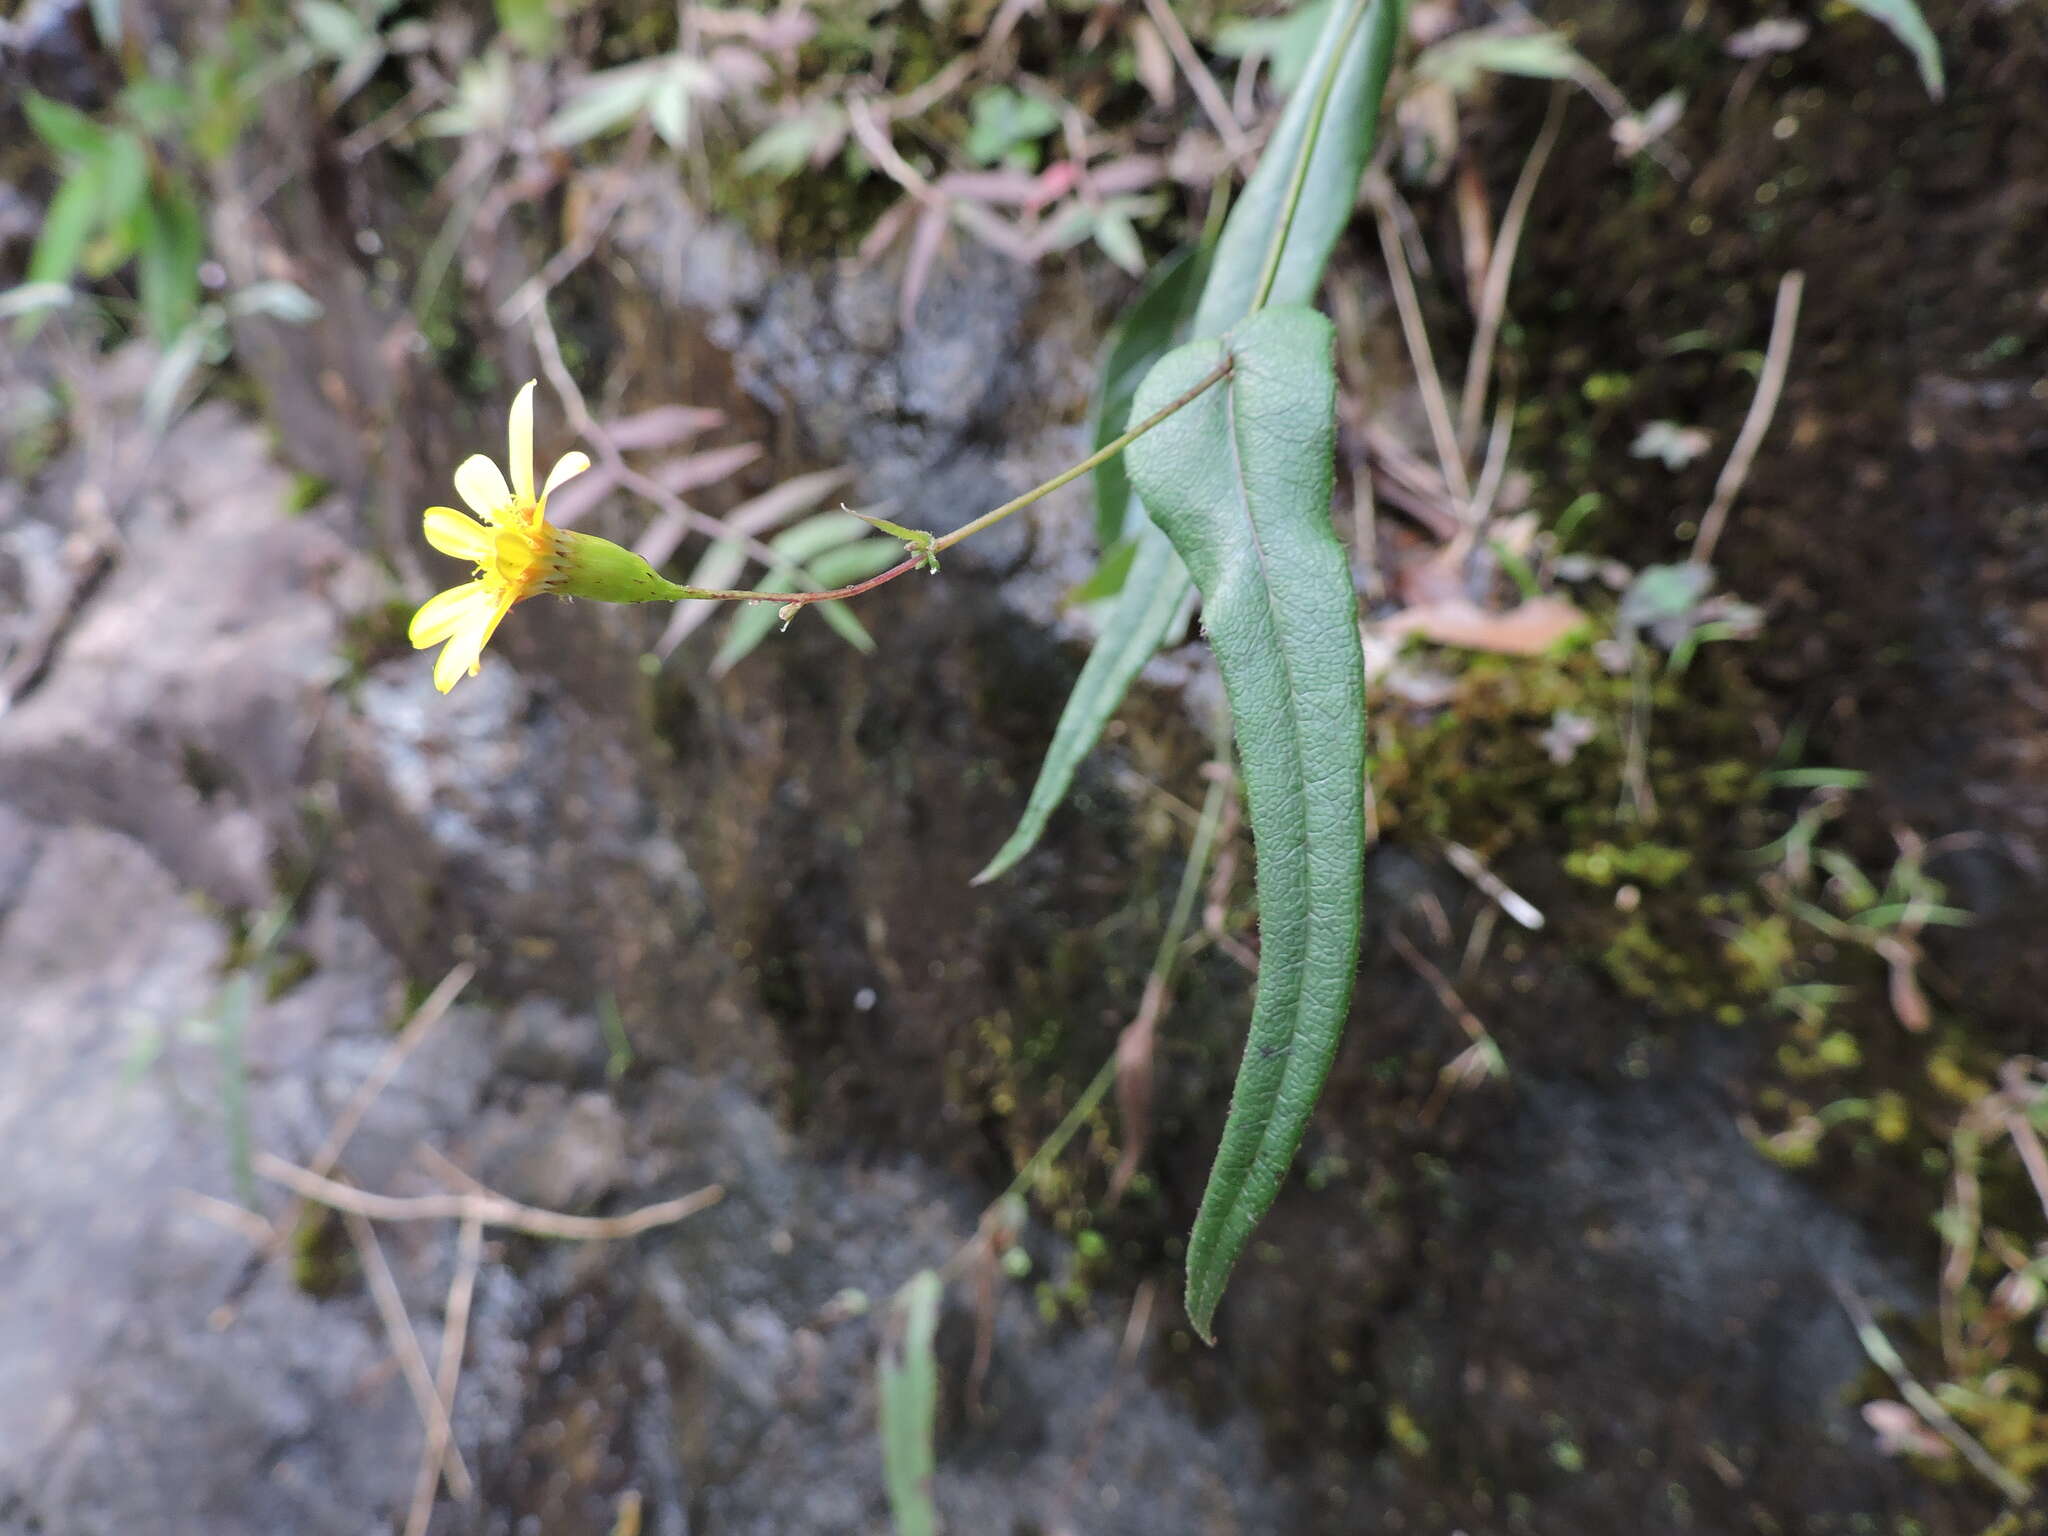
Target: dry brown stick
1440	984
238	1219
2032	1157
1492	471
1493	298
1416	335
1200	81
493	1210
592	230
405	1343
469	1246
424	1018
1923	1402
1777	359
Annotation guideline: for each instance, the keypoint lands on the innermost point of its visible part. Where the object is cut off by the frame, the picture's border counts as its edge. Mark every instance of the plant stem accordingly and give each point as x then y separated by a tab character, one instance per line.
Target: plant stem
1309	138
1094	460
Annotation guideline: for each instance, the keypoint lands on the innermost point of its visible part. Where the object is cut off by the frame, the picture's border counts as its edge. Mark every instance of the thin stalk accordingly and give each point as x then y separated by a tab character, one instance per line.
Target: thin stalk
1094	460
1271	270
1053	1145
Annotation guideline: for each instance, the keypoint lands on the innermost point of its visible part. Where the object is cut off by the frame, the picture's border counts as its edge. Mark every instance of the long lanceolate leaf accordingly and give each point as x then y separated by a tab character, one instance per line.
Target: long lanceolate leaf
1351	59
1240	481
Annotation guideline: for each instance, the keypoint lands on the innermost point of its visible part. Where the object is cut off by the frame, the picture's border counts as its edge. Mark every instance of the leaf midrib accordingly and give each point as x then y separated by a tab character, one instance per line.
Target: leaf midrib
1310	925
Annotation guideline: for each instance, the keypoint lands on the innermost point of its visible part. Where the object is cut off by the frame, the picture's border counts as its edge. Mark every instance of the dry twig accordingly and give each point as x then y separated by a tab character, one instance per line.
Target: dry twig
1200	81
1923	1402
448	1375
1764	405
493	1210
1416	334
1493	297
406	1345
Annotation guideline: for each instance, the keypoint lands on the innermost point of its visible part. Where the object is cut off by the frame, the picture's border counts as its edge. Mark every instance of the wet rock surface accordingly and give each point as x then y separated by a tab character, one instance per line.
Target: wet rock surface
156	1374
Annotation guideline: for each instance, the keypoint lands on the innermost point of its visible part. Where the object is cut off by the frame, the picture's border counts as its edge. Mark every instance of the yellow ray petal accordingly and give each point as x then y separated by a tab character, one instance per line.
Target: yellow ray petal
463	654
457	533
445	612
459	657
521	460
567	468
479	483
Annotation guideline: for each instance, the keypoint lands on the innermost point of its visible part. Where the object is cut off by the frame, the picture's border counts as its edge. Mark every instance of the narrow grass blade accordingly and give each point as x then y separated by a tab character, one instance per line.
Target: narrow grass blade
907	1377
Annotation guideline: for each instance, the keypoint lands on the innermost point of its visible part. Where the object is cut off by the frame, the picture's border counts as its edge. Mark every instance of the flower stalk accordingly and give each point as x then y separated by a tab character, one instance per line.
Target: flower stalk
517	553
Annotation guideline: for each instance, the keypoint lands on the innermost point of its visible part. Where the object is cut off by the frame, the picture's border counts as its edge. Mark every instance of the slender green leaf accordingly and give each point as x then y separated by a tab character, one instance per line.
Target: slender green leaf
1354	53
1108	577
818	552
529	23
843	566
1130	639
1006	126
33	299
786	147
67	224
668	106
106	21
1910	28
1240	481
276	299
1117	238
167	253
1358	44
1460	59
65	129
907	1388
1289	41
126	162
162	396
607	102
332	28
1149	329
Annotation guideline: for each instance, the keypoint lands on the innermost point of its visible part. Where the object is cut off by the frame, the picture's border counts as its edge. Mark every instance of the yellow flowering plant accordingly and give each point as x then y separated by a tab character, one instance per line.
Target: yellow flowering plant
1232	498
518	553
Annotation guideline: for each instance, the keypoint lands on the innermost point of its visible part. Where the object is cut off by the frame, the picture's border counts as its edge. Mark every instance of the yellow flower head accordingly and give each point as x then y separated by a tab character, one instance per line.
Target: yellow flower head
517	553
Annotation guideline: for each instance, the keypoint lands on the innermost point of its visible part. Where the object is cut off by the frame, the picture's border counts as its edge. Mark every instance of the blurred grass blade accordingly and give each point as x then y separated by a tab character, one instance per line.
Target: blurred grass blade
67	225
1910	27
1240	480
907	1377
172	242
1352	56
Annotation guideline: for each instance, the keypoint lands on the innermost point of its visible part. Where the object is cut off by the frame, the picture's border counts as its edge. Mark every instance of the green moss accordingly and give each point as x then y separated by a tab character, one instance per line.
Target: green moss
1607	864
322	1259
